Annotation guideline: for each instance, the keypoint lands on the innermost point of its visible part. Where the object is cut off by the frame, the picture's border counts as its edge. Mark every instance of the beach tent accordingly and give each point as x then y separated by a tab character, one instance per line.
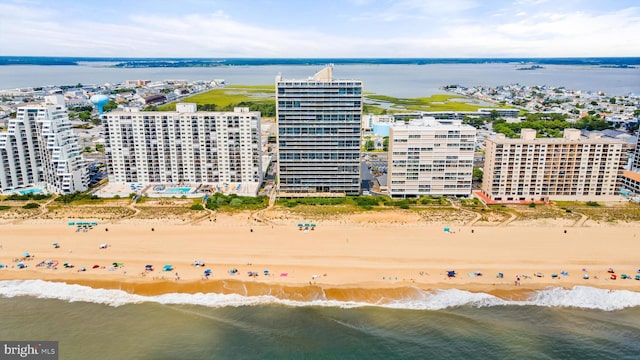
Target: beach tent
104	246
207	272
148	267
167	267
625	276
21	266
638	277
500	275
56	245
71	223
585	276
95	266
2	266
265	272
117	264
447	229
26	254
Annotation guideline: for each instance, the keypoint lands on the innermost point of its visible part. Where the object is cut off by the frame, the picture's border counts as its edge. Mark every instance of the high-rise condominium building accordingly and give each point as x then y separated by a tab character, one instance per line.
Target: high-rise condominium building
40	150
572	168
318	135
183	146
430	157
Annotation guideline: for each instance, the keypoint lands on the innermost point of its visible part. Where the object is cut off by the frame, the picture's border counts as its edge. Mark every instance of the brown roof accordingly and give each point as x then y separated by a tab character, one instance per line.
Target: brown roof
632	175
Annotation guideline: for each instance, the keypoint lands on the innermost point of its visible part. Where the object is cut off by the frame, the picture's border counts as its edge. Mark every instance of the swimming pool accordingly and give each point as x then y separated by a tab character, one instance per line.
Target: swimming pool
30	191
177	190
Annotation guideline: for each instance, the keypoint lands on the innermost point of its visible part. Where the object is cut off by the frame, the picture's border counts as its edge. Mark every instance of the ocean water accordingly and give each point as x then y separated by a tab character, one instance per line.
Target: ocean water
581	323
401	80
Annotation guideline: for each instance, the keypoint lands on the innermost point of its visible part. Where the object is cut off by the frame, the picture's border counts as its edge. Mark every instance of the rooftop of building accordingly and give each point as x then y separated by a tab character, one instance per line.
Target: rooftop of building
528	136
427	123
324	76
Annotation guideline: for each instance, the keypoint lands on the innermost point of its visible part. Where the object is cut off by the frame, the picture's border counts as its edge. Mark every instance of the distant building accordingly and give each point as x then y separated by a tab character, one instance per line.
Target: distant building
183	146
155	99
136	83
40	150
430	157
319	135
573	167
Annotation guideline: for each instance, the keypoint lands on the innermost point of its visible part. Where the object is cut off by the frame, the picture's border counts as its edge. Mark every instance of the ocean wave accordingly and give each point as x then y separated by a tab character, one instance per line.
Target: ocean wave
577	297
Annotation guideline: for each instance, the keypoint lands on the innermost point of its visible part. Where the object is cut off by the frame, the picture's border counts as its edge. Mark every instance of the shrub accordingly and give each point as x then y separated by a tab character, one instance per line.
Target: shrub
532	205
592	203
367	202
76	196
31	206
28	197
5	207
197	207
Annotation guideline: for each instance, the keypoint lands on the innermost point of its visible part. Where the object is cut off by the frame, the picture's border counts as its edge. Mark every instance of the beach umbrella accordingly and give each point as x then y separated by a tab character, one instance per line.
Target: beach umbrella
95	266
56	245
167	267
26	254
21	266
207	272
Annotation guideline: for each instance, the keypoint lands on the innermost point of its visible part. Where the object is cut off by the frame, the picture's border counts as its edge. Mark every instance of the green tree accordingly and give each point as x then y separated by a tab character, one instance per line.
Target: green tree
477	174
111	105
612	100
493	115
369	145
476	122
385	143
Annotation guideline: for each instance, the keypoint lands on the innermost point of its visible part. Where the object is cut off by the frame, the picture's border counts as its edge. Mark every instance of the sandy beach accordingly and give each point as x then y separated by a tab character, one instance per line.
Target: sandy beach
341	260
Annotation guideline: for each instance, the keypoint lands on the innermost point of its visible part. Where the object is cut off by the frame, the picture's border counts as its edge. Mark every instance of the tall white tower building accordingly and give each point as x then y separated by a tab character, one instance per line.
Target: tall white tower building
39	149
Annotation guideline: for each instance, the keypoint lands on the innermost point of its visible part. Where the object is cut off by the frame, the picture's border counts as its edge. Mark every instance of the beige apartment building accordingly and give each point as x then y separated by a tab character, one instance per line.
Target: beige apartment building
430	157
573	167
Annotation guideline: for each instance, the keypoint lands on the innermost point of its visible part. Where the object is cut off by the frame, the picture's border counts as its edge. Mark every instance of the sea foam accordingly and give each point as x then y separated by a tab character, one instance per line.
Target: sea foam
577	297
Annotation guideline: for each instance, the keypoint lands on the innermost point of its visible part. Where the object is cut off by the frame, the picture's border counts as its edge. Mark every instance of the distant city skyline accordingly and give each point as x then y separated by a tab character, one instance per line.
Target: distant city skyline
349	28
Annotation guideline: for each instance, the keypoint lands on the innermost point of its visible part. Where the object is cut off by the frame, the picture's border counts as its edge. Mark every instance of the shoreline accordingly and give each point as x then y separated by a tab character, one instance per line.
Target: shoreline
343	261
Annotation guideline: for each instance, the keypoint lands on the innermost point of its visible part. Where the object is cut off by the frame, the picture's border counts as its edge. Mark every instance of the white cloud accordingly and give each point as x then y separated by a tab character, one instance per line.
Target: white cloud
39	31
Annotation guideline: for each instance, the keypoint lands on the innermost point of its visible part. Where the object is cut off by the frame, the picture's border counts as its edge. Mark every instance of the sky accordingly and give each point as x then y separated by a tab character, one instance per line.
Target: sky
326	28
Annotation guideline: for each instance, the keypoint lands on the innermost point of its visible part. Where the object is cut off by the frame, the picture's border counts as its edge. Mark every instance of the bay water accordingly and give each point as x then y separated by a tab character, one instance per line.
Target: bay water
400	80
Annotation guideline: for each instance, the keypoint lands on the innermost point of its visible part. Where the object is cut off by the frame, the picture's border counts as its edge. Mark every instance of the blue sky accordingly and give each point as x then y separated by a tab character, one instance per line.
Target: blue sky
329	28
